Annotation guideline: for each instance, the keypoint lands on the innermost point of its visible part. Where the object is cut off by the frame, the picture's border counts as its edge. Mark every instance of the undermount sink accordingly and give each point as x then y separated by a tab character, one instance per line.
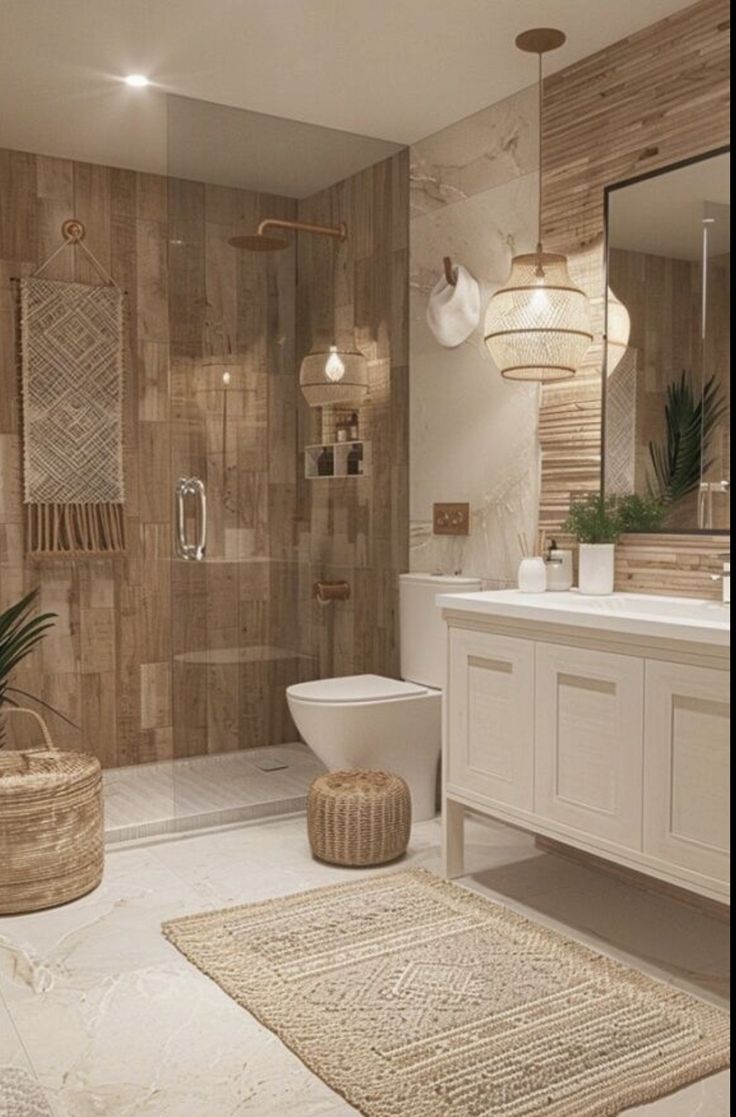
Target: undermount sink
679	618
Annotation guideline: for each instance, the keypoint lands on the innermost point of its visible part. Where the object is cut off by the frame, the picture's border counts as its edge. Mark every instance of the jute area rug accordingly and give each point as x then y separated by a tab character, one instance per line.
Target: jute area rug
20	1095
412	997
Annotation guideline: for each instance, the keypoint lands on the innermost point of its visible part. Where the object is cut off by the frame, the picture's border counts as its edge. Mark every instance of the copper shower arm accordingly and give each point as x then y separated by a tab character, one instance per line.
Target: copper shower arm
339	231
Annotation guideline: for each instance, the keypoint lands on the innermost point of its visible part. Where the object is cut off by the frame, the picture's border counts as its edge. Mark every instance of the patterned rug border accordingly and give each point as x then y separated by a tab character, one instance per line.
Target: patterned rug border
264	996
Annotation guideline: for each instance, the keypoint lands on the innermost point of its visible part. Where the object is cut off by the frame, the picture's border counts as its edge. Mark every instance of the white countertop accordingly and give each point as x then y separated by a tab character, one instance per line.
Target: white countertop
674	618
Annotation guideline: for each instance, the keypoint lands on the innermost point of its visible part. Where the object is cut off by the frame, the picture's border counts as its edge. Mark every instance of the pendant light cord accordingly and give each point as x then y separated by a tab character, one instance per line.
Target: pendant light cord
540	269
541	113
333	284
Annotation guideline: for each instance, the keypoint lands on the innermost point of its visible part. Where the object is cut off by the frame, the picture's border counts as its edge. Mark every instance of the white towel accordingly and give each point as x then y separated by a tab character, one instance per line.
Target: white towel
454	312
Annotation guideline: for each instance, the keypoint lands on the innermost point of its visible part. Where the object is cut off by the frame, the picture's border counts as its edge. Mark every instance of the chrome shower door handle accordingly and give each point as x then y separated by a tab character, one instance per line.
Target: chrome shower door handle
191	487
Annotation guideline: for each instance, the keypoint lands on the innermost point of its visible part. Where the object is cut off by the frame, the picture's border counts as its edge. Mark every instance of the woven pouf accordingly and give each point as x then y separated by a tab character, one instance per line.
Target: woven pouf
51	833
358	817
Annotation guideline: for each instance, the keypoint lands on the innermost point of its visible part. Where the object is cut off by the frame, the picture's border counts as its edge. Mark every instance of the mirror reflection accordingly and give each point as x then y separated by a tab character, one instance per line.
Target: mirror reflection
668	372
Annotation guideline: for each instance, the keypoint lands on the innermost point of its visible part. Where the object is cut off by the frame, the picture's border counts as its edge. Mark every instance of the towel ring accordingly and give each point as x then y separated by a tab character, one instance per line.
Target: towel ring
450	273
73	230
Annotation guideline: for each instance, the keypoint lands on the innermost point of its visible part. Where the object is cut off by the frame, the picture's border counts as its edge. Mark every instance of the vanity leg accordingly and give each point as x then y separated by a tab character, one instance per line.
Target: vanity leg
453	839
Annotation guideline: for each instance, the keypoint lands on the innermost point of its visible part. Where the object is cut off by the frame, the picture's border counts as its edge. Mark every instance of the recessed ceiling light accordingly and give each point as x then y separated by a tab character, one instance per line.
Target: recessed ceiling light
136	81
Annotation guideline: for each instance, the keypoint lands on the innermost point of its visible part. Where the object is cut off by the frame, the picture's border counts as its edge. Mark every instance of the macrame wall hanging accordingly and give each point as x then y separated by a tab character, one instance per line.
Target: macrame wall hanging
72	380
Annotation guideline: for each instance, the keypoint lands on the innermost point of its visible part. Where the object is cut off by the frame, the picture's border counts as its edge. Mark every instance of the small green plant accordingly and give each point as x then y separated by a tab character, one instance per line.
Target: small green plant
640	513
679	462
602	519
595	519
20	633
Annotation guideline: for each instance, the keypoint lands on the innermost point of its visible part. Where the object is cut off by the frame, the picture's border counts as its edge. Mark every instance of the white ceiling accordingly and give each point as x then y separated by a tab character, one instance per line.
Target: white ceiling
395	70
664	215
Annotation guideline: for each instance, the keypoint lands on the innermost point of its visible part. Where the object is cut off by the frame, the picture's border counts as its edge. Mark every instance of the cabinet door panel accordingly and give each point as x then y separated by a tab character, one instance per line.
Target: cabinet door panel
491	723
588	753
687	767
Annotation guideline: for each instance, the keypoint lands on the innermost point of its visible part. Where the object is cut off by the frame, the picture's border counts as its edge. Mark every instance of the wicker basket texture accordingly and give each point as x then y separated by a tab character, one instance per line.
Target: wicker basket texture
358	818
51	828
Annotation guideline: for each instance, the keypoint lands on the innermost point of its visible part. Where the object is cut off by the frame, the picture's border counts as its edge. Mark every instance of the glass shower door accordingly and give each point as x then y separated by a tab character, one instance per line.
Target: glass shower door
239	634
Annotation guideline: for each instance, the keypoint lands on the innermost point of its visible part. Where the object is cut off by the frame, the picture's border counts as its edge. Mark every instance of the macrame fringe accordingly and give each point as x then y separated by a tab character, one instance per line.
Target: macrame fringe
75	529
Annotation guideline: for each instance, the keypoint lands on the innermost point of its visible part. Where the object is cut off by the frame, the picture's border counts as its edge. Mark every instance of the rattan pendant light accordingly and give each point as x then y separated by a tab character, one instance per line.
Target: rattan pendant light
538	324
334	375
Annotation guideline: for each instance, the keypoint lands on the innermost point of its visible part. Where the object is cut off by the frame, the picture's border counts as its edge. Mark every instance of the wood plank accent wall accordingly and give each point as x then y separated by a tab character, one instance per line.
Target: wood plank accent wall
674	565
652	99
154	658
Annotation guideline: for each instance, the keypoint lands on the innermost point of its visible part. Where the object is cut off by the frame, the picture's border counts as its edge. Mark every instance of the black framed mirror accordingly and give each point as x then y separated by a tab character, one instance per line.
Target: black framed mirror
667	365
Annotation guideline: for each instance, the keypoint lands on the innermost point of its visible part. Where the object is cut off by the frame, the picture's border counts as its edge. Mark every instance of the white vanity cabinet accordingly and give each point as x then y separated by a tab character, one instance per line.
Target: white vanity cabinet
687	768
491	717
613	741
589	741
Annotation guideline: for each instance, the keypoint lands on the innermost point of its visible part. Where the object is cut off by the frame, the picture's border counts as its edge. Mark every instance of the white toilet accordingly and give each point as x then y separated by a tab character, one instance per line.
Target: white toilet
368	721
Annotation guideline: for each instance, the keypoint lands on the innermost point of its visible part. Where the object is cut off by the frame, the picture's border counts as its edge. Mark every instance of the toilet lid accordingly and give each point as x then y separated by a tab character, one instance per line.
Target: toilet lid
355	688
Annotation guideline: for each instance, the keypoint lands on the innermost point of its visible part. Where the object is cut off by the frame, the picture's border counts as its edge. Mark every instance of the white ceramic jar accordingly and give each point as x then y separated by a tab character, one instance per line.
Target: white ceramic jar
532	577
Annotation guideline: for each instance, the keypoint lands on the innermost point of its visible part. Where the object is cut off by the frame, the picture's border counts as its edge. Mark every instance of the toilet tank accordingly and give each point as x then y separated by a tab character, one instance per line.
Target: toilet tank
423	633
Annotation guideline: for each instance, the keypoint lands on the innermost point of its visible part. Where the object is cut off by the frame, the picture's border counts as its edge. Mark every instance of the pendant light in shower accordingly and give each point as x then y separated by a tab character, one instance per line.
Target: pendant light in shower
538	323
334	374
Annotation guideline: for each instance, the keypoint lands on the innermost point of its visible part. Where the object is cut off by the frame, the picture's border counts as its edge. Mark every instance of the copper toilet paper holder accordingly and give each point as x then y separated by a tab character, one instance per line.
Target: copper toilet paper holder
326	592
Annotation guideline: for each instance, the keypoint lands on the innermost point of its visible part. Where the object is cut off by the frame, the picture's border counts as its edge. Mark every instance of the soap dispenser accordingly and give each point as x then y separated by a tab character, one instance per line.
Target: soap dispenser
559	568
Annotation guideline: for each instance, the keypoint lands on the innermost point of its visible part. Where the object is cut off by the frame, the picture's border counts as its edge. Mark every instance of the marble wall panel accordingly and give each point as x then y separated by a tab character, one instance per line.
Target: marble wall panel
473	436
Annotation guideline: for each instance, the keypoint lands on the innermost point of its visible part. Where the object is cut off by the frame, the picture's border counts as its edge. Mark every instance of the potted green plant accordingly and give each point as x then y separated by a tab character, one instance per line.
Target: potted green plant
595	523
20	633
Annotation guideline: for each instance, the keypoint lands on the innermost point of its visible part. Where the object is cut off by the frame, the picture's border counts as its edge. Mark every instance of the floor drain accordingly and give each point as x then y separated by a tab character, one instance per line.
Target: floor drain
271	765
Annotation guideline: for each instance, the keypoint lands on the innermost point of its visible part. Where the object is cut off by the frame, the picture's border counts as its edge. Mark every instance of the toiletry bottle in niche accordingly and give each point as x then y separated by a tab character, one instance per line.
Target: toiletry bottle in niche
342	430
355	460
353	426
326	462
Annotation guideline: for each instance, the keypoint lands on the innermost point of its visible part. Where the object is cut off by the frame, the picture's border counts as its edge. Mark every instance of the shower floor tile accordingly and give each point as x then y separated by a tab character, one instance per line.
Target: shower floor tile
191	793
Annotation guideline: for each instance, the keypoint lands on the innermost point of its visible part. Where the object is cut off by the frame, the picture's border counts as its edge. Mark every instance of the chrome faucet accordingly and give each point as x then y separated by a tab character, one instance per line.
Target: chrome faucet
724	577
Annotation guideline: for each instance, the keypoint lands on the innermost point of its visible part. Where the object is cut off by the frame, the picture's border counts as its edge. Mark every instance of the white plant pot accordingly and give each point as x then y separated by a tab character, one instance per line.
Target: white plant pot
596	567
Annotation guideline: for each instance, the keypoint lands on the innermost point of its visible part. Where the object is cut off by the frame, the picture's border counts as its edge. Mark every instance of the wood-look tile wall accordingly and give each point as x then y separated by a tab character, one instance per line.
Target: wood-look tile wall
358	528
105	665
152	657
652	99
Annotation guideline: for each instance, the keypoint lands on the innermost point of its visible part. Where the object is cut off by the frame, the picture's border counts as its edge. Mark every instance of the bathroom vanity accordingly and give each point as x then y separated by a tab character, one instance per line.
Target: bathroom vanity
603	723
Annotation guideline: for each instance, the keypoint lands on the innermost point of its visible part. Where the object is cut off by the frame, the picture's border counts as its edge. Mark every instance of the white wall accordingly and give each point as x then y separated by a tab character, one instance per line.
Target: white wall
473	435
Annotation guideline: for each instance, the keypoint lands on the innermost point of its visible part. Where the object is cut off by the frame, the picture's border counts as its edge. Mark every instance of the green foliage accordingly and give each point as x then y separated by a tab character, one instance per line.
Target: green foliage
640	513
679	462
602	519
594	520
20	633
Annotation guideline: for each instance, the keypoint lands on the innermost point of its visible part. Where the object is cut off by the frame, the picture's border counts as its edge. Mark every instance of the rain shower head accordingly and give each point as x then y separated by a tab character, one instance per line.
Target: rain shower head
264	240
259	242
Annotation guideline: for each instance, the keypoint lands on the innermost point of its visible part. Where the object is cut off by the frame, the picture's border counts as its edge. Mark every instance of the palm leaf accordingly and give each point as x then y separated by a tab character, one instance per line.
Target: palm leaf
679	462
20	633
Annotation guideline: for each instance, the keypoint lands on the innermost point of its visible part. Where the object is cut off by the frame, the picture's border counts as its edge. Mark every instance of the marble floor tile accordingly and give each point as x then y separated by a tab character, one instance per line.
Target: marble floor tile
12	1051
114	1022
